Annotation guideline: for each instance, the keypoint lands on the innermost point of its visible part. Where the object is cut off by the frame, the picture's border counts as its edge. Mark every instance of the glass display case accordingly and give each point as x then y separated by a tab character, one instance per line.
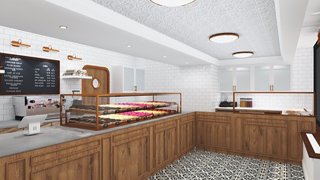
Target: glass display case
111	110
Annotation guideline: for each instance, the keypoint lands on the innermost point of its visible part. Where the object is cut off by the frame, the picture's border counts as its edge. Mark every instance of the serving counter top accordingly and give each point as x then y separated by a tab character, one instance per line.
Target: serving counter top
273	111
154	143
17	142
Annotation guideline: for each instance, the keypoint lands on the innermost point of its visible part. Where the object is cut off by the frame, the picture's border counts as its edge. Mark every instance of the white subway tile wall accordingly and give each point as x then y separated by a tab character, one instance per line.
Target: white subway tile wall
302	70
198	84
301	80
90	55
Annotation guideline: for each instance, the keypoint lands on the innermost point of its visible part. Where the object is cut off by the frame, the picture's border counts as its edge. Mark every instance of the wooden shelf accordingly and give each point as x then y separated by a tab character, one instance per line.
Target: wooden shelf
76	77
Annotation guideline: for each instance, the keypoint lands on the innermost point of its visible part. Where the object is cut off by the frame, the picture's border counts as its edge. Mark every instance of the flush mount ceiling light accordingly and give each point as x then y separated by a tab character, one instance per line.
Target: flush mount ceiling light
63	27
172	3
224	37
316	13
242	54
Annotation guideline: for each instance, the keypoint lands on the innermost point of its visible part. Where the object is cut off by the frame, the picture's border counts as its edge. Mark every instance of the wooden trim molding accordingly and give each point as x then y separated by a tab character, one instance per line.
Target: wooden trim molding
307	143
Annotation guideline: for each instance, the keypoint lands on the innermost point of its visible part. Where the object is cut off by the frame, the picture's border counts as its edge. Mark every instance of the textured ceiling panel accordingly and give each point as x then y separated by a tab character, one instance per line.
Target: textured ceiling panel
254	20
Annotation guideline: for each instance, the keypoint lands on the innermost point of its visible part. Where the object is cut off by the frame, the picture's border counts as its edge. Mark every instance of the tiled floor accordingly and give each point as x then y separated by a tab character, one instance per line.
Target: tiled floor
208	165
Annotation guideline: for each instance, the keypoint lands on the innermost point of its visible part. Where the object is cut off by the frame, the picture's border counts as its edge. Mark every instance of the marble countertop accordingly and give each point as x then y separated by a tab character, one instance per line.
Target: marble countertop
17	142
14	123
248	108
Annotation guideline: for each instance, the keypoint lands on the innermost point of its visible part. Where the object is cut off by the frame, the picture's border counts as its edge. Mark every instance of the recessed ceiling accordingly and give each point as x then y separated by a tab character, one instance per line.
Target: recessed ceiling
311	25
254	20
44	18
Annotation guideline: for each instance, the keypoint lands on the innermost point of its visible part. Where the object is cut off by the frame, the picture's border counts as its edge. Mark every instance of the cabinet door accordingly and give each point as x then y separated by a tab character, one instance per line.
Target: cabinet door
140	79
166	149
265	138
187	133
84	168
128	79
214	133
131	155
226	80
281	78
262	78
243	79
81	162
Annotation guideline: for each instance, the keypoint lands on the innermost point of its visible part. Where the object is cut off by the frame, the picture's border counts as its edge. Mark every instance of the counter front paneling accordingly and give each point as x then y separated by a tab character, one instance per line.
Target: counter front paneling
138	150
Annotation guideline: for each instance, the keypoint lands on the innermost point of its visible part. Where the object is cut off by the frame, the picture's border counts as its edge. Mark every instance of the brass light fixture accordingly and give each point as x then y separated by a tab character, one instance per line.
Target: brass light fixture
19	44
243	54
172	3
2	71
49	49
73	57
224	37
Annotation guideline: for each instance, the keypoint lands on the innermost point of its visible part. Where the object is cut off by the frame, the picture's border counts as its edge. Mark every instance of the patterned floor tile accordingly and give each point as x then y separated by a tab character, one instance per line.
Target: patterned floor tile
204	165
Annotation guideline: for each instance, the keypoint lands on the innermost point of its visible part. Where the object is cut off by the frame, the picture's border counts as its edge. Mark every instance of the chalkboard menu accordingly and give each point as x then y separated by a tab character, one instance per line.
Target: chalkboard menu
28	75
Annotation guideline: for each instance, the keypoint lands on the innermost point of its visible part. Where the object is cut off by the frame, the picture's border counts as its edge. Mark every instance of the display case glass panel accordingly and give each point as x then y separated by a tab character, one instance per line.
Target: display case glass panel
110	110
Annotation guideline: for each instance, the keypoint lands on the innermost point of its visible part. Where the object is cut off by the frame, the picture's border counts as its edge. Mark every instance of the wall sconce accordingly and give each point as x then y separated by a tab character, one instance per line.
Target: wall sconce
73	57
49	49
19	44
2	71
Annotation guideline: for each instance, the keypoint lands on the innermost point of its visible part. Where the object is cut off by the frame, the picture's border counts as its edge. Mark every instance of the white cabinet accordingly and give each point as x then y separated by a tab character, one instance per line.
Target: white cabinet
140	79
127	79
226	77
255	78
281	78
272	78
242	76
234	79
262	78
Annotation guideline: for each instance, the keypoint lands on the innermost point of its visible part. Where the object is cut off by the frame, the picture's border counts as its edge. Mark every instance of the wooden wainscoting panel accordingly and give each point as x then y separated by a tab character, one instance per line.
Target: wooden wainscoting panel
165	142
83	168
187	133
67	161
294	140
265	137
16	170
106	158
130	155
214	132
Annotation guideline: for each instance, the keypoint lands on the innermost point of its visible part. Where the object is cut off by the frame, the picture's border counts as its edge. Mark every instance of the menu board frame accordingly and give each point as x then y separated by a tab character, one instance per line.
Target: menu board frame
26	58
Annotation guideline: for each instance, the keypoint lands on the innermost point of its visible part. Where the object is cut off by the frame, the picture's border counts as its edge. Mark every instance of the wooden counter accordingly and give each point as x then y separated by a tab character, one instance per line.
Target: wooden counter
274	137
140	151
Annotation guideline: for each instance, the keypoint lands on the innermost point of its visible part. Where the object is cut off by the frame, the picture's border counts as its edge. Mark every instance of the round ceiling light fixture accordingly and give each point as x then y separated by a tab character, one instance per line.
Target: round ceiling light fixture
172	3
316	13
224	37
64	27
243	54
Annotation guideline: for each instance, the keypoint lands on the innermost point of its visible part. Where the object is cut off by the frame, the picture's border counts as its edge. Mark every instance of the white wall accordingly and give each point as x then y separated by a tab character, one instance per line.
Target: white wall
301	79
302	70
198	84
90	55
